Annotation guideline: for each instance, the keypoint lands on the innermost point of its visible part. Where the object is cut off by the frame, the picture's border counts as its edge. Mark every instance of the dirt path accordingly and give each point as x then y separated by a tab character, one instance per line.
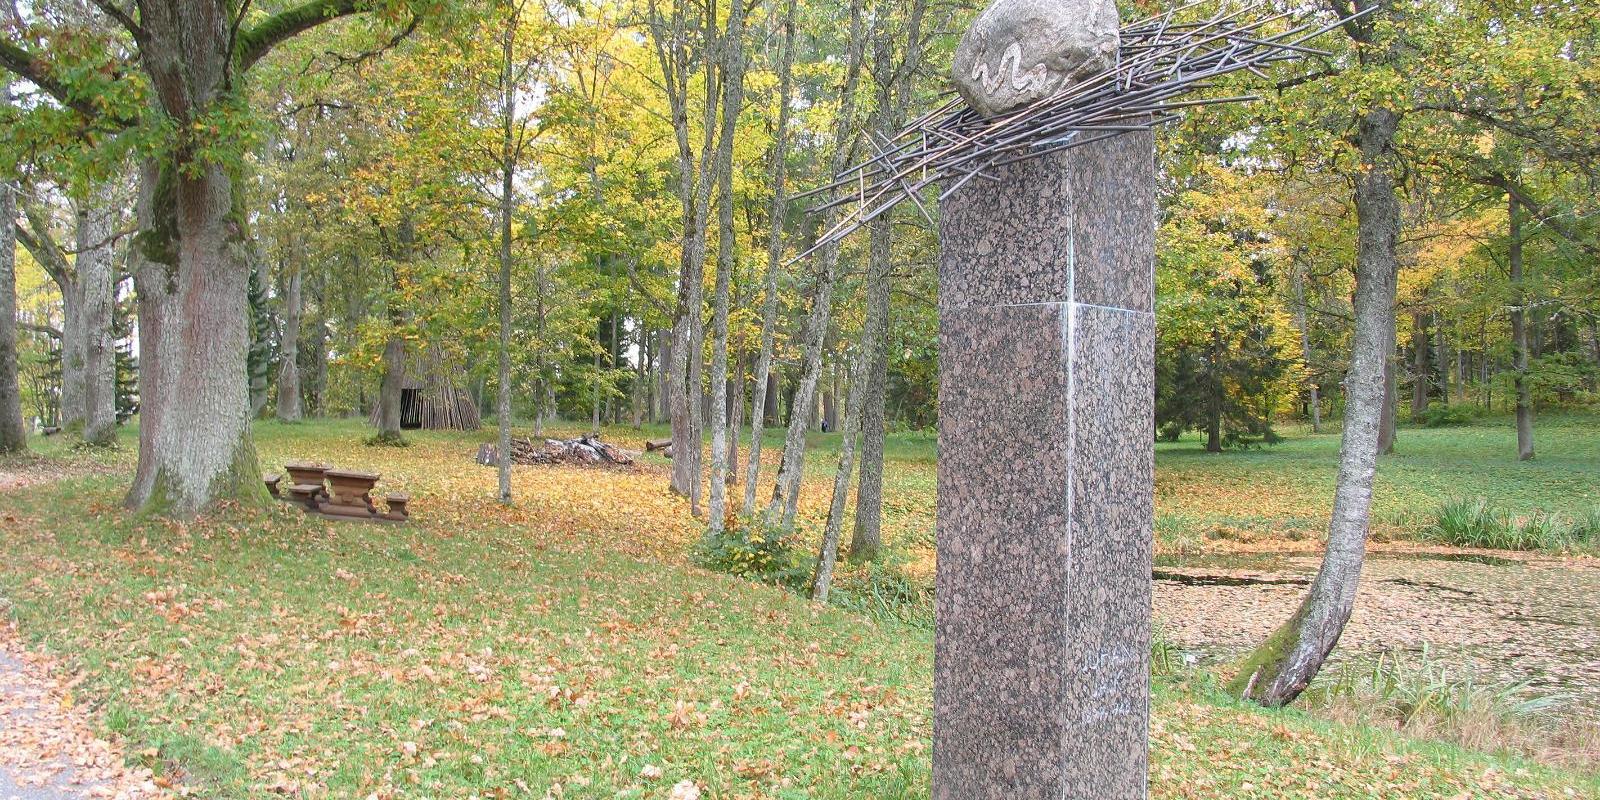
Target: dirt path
1524	619
48	746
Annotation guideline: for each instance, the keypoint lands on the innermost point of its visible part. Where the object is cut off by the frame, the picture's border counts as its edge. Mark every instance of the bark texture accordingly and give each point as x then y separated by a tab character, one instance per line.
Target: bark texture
867	537
1280	669
13	434
776	213
289	406
1519	336
97	284
786	488
727	260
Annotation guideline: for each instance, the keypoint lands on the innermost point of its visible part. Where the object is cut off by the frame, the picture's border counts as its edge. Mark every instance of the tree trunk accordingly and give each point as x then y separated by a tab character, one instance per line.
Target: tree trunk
724	461
73	339
1421	368
1519	336
1281	668
1386	416
786	489
289	409
1301	324
97	284
828	555
508	174
867	537
203	451
764	390
13	434
391	388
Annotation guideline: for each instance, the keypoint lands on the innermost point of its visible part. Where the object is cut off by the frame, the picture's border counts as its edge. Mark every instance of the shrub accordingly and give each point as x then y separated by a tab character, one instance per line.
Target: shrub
881	589
748	549
1444	415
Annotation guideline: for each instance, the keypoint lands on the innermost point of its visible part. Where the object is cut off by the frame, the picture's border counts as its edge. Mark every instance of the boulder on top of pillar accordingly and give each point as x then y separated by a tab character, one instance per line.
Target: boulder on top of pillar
1021	51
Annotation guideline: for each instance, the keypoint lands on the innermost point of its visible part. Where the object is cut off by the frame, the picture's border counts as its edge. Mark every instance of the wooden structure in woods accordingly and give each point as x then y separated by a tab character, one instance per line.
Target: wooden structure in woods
433	395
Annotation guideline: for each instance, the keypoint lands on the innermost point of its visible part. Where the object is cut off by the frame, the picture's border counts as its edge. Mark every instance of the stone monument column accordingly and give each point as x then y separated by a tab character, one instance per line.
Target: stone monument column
1046	461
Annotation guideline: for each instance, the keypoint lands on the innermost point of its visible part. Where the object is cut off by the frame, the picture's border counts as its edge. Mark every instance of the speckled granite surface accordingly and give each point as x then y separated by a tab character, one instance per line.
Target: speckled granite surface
1045	479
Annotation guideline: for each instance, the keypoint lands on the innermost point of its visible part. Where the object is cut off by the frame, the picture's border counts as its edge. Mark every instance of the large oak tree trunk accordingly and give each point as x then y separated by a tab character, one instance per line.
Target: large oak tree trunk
13	434
1281	668
193	344
97	286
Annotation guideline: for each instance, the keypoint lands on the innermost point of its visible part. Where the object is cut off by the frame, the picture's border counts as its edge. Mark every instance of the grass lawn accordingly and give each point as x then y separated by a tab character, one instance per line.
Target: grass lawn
566	648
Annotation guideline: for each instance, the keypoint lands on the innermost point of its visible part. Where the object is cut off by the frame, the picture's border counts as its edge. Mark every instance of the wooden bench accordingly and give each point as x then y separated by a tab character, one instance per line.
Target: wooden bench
272	485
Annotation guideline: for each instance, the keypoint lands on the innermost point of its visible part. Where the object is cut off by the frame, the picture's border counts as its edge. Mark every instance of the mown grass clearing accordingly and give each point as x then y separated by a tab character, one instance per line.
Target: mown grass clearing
565	641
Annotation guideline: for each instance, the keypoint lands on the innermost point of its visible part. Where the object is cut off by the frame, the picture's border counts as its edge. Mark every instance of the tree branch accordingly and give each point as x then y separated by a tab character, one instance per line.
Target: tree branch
258	41
122	17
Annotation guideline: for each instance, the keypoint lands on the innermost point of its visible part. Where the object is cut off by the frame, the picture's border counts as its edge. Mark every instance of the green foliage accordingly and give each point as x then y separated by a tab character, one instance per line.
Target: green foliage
1446	415
1475	523
1226	357
747	548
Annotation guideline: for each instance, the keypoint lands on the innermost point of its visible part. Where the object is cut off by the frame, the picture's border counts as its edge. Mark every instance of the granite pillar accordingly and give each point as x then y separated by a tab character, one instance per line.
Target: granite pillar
1046	462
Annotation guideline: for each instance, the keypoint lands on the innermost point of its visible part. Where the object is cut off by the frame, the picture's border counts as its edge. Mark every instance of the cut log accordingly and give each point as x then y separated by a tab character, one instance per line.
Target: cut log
657	444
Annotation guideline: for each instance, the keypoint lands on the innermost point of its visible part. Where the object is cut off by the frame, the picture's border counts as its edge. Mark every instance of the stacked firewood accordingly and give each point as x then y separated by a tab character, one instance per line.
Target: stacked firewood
582	451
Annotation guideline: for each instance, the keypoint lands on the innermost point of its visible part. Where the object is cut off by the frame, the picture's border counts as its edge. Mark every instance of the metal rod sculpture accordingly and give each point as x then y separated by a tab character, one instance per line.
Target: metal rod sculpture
1159	59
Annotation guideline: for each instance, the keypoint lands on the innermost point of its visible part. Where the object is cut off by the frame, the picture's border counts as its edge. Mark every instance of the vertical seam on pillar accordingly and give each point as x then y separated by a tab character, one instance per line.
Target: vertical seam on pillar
1068	337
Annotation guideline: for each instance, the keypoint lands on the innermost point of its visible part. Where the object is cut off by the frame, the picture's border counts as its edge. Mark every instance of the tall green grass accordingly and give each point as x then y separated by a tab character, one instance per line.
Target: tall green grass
1473	522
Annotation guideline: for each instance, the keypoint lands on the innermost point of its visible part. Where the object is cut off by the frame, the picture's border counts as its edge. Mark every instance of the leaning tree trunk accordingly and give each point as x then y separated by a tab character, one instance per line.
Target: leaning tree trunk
1281	668
1386	416
289	409
828	554
867	538
13	434
1519	337
97	284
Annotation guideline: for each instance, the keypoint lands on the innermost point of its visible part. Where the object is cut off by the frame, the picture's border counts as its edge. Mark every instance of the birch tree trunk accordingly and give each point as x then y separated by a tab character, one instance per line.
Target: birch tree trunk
722	460
828	555
867	538
786	488
13	434
508	169
1281	668
1519	336
97	284
289	406
776	213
